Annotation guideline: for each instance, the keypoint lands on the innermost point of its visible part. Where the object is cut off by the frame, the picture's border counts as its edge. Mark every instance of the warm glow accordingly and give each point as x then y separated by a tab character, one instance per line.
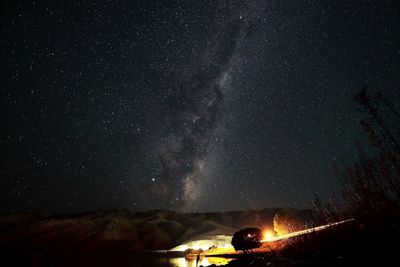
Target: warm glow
204	261
219	241
268	236
271	237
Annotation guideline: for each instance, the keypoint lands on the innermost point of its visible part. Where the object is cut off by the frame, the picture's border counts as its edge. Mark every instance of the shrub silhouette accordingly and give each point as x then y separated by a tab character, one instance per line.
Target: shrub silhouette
247	239
372	184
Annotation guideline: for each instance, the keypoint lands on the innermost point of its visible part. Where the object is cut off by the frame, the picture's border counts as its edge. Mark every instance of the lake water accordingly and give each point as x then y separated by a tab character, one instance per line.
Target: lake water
125	259
182	262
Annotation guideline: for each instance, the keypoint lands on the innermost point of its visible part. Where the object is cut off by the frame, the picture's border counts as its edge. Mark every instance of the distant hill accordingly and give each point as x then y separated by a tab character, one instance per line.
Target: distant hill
122	230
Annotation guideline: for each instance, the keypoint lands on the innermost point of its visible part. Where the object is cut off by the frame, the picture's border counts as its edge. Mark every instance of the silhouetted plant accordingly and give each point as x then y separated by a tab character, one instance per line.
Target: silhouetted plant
326	213
373	184
247	239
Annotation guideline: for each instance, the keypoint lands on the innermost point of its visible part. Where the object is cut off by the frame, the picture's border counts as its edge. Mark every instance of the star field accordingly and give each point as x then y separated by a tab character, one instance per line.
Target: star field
187	105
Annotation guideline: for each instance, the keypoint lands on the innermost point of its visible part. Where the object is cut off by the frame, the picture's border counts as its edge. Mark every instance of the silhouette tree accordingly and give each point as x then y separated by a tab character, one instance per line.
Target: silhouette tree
247	239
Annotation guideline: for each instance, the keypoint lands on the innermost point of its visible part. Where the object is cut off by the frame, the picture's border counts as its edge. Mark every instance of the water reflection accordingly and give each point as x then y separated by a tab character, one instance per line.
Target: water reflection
191	262
99	260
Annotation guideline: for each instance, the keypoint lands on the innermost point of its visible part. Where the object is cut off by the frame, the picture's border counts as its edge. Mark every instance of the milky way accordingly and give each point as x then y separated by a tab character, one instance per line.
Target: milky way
197	102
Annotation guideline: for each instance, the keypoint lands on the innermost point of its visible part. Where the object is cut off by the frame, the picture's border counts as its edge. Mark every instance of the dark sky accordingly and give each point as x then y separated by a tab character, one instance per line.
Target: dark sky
188	105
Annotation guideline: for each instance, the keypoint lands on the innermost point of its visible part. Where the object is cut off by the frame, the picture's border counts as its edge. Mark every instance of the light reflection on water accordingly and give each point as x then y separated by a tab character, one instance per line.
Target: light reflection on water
99	260
191	262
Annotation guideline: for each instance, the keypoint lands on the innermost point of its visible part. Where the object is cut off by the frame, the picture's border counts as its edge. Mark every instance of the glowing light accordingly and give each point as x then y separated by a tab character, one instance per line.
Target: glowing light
268	236
191	262
220	241
307	231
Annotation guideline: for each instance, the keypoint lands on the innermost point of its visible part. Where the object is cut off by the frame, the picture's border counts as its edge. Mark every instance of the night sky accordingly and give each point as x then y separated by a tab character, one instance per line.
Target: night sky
186	105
